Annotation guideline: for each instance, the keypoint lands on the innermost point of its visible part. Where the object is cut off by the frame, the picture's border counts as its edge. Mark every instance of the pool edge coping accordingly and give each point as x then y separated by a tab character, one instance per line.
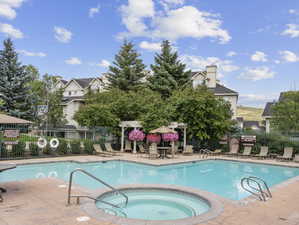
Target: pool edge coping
216	206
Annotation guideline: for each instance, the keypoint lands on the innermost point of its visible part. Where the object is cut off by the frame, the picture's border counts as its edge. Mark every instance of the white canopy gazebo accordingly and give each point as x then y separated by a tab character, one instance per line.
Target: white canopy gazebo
137	124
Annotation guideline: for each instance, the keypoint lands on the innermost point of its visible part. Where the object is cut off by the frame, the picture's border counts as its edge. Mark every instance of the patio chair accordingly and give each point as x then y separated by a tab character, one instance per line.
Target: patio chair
110	149
296	158
128	146
246	151
287	154
153	152
188	150
263	152
99	151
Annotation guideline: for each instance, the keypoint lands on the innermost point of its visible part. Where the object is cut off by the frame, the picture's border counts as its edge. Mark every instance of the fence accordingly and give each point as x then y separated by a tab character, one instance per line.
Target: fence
16	143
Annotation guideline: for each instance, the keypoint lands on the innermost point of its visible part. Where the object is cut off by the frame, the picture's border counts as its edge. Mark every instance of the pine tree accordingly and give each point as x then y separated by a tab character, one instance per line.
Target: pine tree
128	70
169	73
14	88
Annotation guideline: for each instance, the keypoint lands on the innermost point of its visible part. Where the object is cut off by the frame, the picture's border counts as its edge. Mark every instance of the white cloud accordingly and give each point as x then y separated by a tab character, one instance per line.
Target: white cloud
186	21
73	61
174	2
10	31
28	53
104	63
63	35
292	30
93	11
289	56
200	63
167	4
231	54
7	8
259	73
151	46
133	15
259	57
256	99
294	11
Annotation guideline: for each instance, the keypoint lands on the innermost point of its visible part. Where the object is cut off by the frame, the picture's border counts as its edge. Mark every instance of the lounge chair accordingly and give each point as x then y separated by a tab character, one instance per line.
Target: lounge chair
128	147
110	149
99	151
234	150
296	158
141	150
153	152
216	152
188	150
287	154
263	152
246	151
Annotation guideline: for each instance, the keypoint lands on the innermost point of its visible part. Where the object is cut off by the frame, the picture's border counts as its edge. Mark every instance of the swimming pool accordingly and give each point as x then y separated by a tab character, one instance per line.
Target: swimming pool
217	176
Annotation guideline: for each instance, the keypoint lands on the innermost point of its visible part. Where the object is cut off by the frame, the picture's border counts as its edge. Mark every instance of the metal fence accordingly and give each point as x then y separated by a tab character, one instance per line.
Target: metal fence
22	142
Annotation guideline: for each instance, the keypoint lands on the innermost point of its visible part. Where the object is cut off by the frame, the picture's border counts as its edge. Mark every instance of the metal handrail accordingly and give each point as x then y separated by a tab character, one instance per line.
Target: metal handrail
247	179
268	193
97	179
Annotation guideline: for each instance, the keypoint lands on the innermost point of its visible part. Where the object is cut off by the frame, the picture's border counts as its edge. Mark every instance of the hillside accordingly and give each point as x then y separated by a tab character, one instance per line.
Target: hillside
250	113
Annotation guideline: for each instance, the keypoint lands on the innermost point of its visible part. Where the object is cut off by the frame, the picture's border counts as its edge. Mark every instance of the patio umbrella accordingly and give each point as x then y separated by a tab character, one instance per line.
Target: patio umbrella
163	130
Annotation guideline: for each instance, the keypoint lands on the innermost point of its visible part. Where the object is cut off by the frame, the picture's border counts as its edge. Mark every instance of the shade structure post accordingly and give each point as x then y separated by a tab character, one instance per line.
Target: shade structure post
172	149
185	138
122	139
134	148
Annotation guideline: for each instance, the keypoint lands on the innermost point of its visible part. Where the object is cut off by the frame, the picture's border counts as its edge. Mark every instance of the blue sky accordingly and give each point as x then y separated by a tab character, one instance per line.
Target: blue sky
254	43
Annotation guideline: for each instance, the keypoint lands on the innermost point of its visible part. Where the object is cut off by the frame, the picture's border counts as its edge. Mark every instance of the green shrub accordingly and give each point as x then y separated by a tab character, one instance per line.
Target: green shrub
18	150
75	147
62	147
4	153
88	147
34	149
47	150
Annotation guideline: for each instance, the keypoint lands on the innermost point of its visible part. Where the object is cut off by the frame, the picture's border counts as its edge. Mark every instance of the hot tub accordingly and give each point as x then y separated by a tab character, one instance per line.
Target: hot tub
155	204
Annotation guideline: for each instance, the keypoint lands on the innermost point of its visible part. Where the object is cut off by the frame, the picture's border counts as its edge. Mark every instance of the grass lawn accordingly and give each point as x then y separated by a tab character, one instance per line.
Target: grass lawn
250	113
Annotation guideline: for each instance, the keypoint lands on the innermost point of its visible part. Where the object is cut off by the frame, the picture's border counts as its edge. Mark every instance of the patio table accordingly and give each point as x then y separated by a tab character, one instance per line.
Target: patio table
163	152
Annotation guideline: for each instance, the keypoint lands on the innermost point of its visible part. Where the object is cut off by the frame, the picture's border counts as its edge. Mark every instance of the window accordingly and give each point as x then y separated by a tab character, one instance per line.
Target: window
70	93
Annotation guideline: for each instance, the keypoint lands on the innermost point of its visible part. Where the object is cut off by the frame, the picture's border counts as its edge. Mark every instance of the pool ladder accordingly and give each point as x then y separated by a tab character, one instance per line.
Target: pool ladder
114	190
260	190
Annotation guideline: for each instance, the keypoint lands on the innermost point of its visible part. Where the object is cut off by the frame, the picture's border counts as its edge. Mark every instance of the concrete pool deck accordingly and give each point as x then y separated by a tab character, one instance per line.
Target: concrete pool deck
43	201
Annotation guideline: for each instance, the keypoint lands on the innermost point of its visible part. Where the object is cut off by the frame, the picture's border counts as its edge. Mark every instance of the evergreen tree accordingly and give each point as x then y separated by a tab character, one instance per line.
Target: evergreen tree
169	73
128	70
14	88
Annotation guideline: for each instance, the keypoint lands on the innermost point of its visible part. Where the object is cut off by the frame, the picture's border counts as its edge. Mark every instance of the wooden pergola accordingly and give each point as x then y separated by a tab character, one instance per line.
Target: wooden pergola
137	124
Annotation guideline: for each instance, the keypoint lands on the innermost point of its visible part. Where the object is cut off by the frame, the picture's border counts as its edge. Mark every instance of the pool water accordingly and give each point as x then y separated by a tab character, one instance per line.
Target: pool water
217	176
155	205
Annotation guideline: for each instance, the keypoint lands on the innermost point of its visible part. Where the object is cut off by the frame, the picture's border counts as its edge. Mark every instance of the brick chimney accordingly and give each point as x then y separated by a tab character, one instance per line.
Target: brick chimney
211	76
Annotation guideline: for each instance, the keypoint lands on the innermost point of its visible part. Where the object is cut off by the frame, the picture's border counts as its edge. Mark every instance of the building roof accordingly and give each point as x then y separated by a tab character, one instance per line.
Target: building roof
240	119
268	109
220	89
64	81
252	125
84	82
5	119
72	98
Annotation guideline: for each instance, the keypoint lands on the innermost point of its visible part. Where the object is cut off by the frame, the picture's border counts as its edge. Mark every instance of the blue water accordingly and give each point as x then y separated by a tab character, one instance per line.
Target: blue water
217	176
154	205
